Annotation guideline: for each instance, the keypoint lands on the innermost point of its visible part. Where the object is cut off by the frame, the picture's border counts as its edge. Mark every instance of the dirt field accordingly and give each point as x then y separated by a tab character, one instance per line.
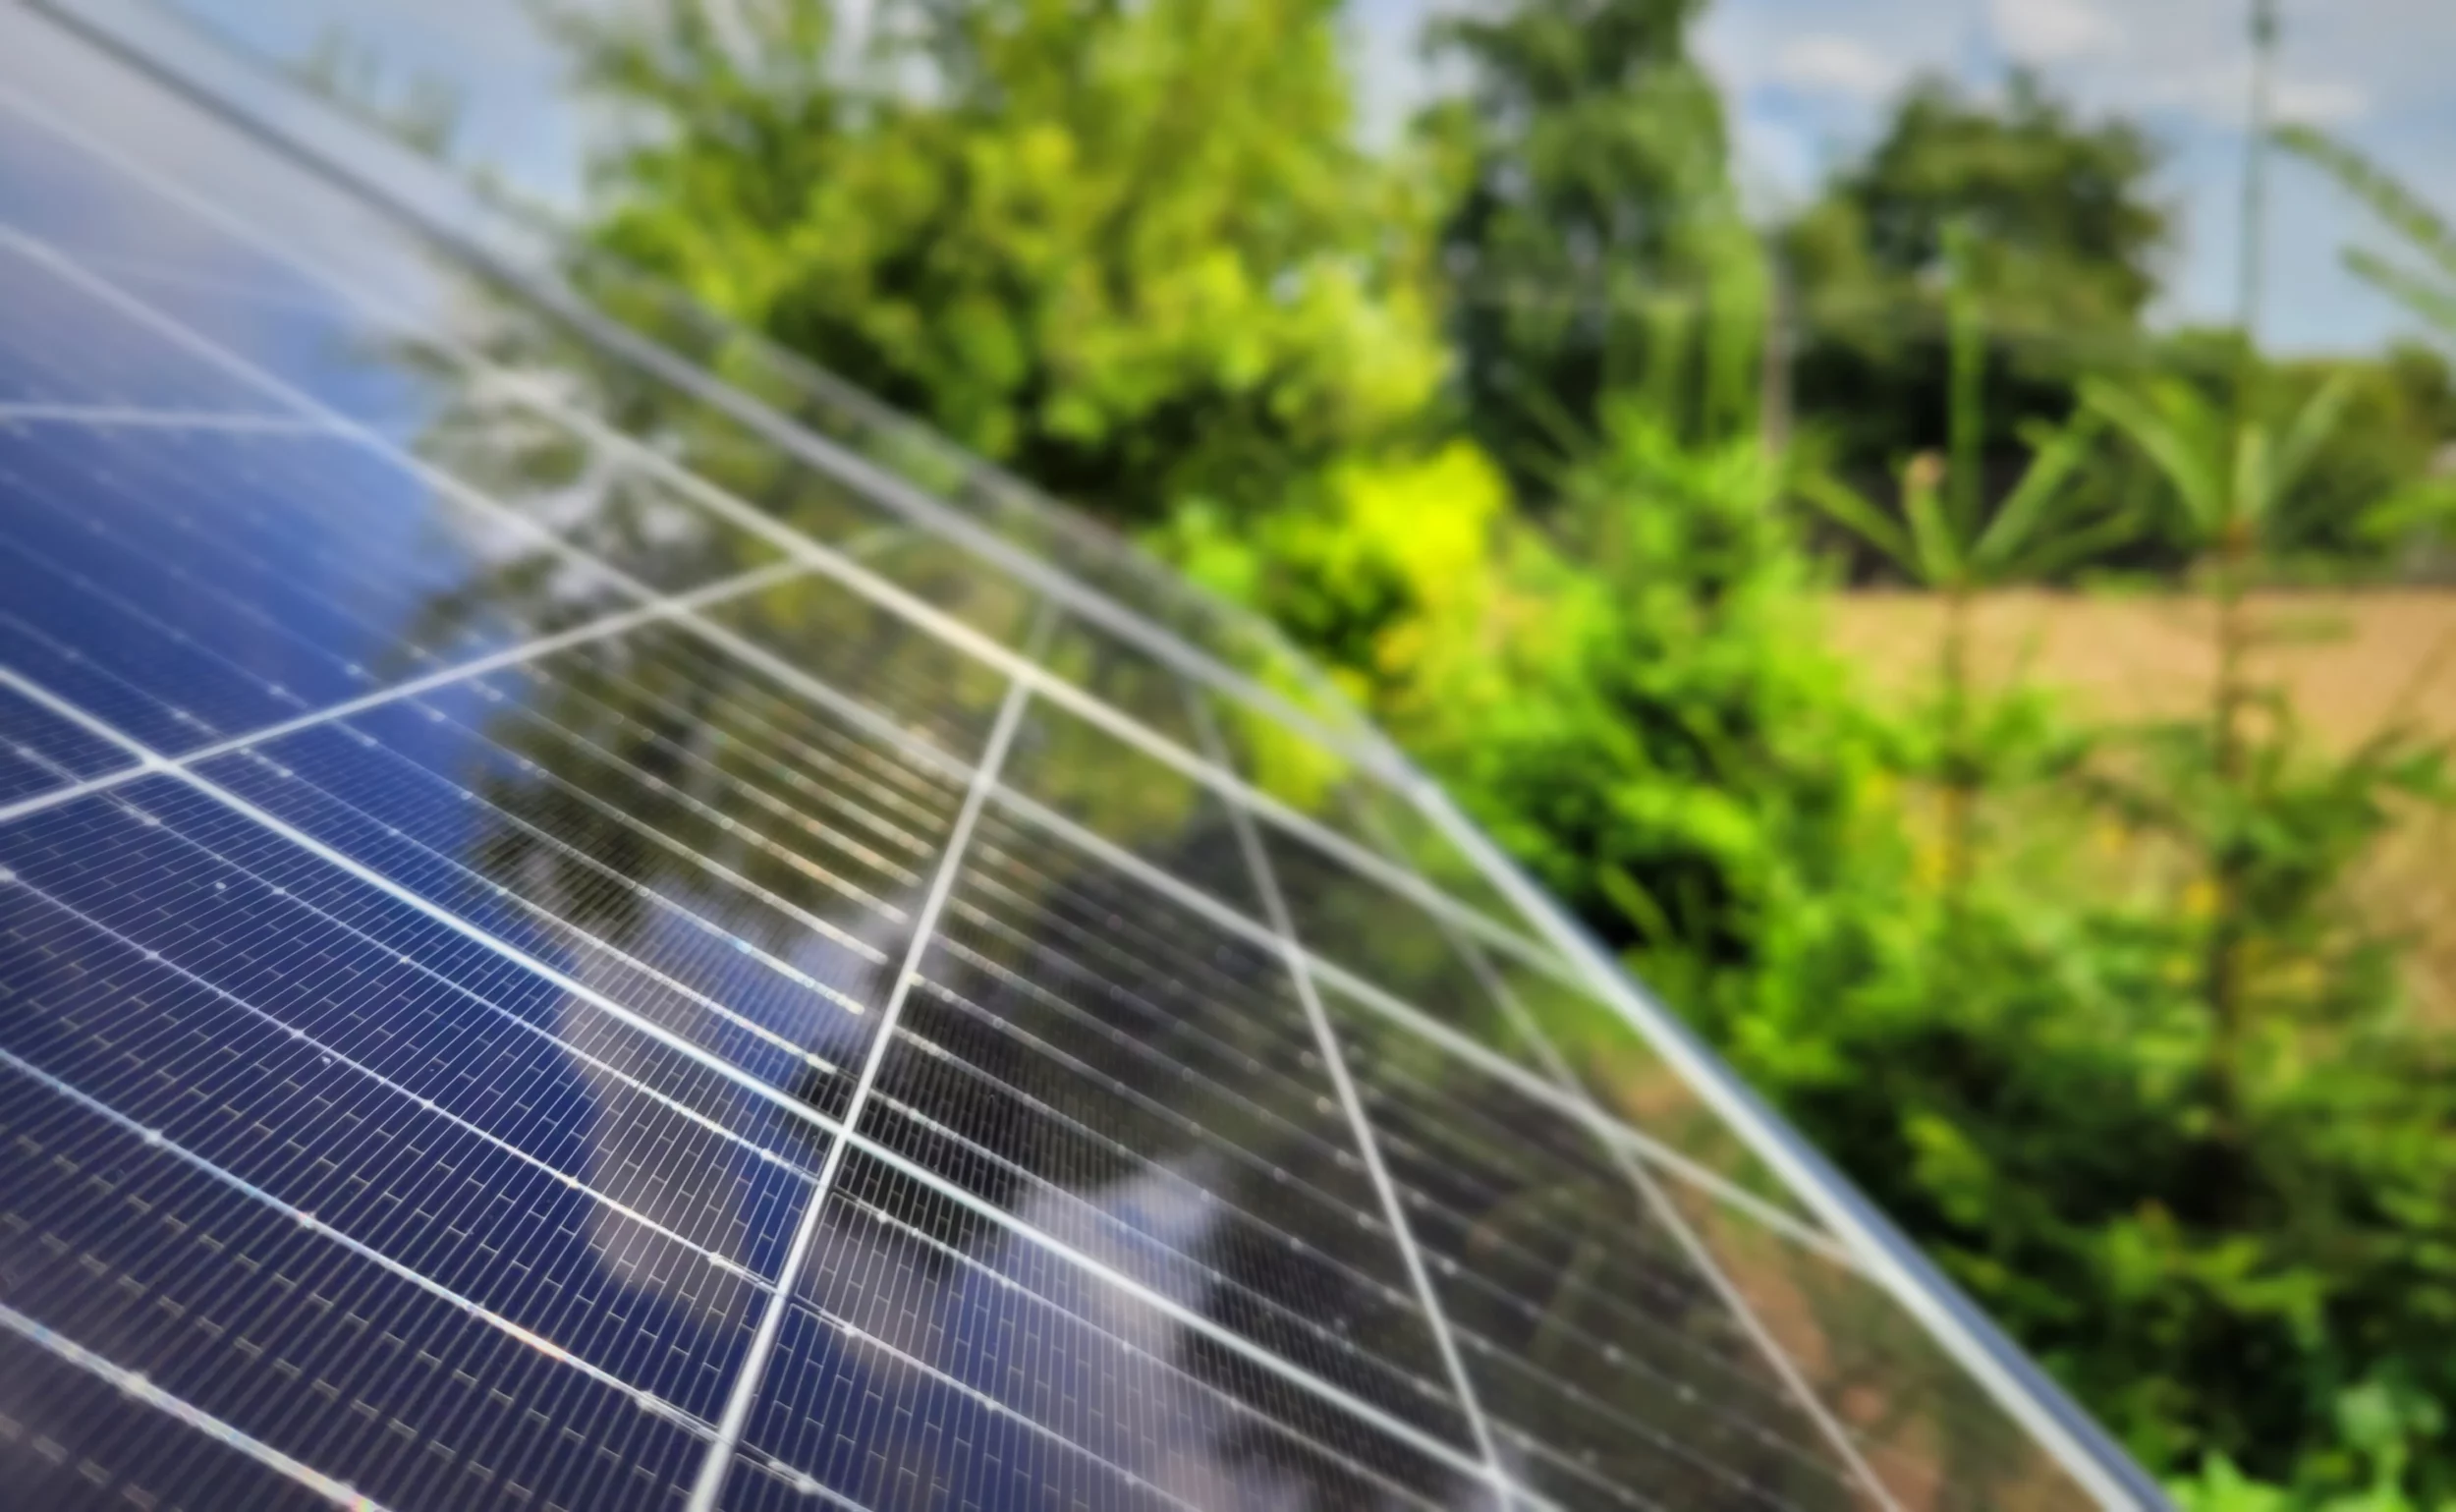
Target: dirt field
2349	659
2351	662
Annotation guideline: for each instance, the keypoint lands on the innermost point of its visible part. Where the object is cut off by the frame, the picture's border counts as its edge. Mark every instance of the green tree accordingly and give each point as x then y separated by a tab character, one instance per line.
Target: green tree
2363	505
2065	236
1595	204
2422	279
1956	548
1127	249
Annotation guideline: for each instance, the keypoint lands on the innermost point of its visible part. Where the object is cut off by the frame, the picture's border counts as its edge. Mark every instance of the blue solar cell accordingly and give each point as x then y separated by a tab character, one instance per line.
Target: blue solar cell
40	751
219	1297
78	1441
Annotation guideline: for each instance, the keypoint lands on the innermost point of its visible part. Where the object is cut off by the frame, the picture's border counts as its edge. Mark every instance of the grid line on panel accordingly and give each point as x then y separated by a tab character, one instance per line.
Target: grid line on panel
1401	1141
774	806
1534	1091
340	594
1261	1302
1417	1022
1622	1308
1863	1247
410	898
683	990
1123	1407
661	609
1679	1360
427	1105
921	1174
134	1384
1414	1020
832	932
1266	884
884	798
134	418
1297	1181
1186	1073
179	334
154	1139
580	1053
1388	1422
1096	1136
754	1369
1602	1124
1156	1106
825	927
1210	1391
824	555
987	1401
1650	1193
674	605
1213	769
665	608
173	275
1059	966
247	1243
802	1481
555	921
142	616
1652	1198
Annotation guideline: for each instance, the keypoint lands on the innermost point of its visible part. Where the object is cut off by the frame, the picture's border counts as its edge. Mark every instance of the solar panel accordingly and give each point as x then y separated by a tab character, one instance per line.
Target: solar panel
568	939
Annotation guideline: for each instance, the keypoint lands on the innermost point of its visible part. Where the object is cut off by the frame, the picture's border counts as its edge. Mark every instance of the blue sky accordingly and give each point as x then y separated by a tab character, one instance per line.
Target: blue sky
1809	82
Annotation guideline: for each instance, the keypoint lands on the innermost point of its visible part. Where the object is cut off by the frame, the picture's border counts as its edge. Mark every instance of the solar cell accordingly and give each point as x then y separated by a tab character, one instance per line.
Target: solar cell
570	938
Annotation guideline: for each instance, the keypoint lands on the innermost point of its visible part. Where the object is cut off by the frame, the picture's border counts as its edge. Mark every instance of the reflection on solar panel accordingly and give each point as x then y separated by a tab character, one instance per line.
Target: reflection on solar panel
567	940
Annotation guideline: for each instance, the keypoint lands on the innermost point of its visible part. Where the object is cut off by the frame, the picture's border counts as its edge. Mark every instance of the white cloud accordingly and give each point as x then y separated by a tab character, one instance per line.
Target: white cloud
2218	95
1823	63
2321	101
2046	32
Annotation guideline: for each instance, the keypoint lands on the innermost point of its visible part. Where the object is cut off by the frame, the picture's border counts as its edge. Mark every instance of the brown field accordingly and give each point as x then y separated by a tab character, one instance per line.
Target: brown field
2350	662
2349	659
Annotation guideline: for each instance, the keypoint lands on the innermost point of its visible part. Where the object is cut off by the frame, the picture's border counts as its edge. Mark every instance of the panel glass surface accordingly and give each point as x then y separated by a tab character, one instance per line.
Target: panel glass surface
40	751
249	54
566	941
1610	1367
1033	1074
1351	806
1932	1438
1089	778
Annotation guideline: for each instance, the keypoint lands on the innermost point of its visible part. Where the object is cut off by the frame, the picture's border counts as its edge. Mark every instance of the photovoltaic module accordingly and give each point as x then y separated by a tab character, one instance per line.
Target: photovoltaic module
589	922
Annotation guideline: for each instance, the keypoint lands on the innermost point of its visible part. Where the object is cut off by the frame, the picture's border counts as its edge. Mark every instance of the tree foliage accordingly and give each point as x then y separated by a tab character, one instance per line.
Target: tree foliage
2065	238
1126	248
2428	290
1593	217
